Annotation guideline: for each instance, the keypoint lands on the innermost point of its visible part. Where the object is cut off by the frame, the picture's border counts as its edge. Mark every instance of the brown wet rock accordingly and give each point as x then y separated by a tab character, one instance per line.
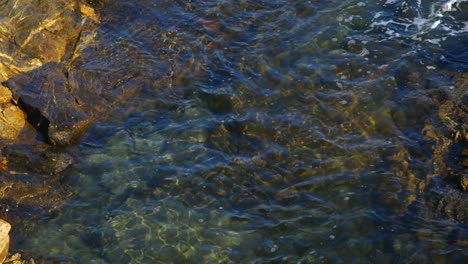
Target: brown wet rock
50	41
433	191
34	33
42	94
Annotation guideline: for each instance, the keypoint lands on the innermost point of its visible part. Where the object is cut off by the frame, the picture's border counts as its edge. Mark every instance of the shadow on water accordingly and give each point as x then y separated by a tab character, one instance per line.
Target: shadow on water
274	131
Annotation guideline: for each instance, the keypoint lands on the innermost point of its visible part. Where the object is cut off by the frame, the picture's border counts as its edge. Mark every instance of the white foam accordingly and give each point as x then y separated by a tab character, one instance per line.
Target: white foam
435	24
430	27
420	22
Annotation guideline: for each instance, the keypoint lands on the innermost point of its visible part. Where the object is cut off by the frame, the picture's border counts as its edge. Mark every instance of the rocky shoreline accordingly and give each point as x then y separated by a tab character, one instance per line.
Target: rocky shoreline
52	86
43	105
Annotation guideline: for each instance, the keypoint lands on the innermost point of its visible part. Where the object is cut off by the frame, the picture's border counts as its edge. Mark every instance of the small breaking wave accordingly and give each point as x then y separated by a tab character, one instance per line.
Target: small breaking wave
427	22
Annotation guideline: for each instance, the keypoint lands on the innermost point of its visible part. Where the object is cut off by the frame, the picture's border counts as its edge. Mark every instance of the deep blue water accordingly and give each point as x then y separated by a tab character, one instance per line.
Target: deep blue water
269	132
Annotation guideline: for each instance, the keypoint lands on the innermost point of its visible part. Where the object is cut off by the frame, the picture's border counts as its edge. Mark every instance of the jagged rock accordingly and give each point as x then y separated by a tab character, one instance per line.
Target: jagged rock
43	95
4	239
62	103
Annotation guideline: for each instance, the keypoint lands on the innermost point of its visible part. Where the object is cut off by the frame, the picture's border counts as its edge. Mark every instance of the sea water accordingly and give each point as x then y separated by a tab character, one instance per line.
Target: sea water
278	132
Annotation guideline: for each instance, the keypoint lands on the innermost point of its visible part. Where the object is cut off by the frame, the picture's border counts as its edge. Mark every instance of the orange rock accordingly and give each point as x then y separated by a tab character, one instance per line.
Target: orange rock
88	12
5	94
12	121
4	163
4	239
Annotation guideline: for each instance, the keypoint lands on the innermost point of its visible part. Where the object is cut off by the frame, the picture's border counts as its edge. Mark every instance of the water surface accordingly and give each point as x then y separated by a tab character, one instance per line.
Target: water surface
269	132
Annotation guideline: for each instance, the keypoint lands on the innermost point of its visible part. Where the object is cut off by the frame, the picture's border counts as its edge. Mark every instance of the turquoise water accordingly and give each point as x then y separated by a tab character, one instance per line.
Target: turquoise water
269	132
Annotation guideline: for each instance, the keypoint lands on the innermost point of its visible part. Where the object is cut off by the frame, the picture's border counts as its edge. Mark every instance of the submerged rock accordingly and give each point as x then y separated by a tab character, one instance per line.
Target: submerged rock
432	189
452	145
27	197
27	159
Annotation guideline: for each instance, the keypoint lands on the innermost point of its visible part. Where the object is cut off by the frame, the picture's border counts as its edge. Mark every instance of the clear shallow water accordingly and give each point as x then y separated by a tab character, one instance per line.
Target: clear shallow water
269	131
